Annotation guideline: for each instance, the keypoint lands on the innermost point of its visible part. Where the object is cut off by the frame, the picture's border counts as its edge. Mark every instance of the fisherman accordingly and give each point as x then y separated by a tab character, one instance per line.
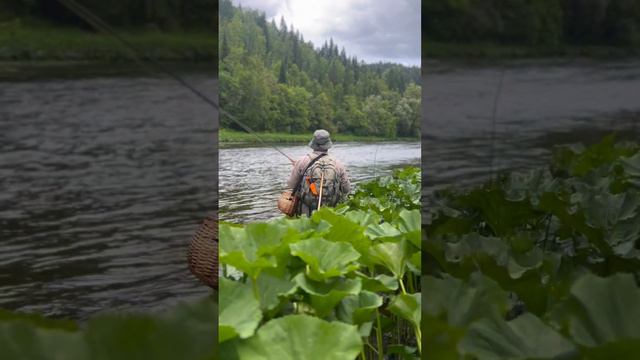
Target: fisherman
323	179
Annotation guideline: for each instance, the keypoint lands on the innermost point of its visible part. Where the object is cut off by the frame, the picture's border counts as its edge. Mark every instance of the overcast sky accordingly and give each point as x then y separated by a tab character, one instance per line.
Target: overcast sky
372	30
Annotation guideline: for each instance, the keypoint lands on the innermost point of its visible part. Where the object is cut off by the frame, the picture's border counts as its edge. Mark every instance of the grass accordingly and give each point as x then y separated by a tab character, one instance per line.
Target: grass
232	136
437	50
36	41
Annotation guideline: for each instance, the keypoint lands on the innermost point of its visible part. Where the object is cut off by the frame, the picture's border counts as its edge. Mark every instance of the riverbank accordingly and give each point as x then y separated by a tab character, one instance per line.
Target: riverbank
438	50
230	137
42	42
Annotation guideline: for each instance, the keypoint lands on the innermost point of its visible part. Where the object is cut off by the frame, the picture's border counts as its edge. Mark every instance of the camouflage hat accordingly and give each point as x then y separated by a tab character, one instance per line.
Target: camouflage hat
320	141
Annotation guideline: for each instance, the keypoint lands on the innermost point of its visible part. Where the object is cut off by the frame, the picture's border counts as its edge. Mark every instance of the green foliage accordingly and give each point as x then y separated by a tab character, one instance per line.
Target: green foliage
186	332
38	41
274	81
533	22
541	264
336	281
159	14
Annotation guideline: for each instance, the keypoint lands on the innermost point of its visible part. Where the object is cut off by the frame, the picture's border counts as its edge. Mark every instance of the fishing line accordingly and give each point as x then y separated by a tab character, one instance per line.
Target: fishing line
140	58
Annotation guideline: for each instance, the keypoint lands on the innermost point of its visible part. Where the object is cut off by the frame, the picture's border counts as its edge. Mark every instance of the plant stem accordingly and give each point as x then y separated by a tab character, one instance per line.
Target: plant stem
402	286
418	339
256	293
410	279
379	336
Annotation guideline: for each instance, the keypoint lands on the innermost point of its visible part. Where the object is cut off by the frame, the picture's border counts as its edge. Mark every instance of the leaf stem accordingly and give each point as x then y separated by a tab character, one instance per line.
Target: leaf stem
256	292
418	339
410	279
379	336
402	286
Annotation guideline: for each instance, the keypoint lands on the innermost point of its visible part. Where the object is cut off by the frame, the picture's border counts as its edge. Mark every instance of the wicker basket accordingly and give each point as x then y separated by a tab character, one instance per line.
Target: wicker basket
287	203
203	252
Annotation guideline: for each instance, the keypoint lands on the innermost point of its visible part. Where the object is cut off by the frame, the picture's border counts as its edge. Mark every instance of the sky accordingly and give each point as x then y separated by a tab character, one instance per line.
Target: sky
372	30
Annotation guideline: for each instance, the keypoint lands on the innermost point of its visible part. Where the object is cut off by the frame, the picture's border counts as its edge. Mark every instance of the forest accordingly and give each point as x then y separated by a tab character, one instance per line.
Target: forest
533	22
273	80
165	15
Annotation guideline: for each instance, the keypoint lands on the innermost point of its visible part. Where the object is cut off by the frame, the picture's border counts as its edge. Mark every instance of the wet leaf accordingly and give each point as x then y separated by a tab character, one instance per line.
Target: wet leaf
326	295
359	309
408	307
605	310
392	255
326	259
298	337
272	288
525	337
239	310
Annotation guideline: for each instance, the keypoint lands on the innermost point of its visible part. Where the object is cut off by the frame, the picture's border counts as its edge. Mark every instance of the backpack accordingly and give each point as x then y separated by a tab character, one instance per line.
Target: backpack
323	169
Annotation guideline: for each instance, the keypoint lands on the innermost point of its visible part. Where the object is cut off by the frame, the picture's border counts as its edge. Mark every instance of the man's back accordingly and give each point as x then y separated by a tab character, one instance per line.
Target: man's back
324	181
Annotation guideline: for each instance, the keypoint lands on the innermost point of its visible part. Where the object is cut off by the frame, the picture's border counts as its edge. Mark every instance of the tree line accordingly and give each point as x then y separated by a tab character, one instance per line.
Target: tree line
533	22
274	81
165	15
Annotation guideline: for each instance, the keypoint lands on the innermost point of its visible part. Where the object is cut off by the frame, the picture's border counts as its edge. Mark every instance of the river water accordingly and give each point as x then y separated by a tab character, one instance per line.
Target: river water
103	180
252	178
542	104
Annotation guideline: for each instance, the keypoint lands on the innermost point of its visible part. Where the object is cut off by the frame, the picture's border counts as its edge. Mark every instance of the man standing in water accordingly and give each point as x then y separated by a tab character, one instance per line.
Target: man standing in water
322	179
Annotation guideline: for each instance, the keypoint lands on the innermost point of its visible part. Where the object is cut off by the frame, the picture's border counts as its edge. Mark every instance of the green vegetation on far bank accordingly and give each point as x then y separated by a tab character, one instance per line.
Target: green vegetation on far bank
38	41
532	29
273	80
489	50
232	136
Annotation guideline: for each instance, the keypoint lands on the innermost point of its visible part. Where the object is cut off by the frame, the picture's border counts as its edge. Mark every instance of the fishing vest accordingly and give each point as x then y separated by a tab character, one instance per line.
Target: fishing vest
324	169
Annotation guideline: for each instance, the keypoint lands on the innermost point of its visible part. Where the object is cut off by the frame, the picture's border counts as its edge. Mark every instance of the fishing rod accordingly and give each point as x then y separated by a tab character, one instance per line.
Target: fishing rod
139	58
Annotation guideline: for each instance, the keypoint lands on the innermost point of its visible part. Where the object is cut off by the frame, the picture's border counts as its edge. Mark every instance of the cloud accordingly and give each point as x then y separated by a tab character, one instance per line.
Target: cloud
372	30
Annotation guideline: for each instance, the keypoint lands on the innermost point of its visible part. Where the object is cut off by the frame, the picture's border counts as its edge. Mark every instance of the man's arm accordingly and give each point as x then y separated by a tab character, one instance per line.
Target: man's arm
296	173
345	184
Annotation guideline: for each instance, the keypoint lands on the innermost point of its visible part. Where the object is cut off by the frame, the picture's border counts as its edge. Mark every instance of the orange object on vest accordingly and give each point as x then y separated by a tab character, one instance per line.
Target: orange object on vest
312	186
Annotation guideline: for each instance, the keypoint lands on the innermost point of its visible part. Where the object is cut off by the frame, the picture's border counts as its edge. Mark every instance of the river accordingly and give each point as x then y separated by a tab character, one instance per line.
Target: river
252	178
103	180
542	104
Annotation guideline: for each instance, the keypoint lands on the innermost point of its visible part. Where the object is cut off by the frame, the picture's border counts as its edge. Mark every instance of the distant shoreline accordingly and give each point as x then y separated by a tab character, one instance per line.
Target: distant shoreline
40	42
230	137
475	51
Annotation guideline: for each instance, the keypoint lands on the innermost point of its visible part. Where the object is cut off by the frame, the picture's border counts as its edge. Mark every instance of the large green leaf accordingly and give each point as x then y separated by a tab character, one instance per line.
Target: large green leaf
359	309
392	255
346	228
526	337
409	223
450	305
239	310
603	210
379	283
271	288
326	259
325	296
186	332
383	230
605	310
408	307
297	337
24	340
245	252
